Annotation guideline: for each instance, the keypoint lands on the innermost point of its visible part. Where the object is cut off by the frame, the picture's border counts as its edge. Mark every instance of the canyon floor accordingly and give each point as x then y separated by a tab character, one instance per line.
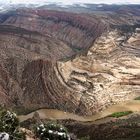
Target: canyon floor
97	127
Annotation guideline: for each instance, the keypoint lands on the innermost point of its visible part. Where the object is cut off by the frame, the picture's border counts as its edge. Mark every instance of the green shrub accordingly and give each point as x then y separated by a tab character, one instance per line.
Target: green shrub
9	123
51	131
18	135
138	98
120	114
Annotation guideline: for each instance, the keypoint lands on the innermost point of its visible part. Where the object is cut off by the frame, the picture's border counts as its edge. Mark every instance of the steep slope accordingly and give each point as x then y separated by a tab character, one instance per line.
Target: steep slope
74	29
34	41
43	88
30	44
110	72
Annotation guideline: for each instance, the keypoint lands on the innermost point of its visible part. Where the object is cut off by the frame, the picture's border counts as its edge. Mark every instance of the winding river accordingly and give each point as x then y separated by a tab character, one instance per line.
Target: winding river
53	114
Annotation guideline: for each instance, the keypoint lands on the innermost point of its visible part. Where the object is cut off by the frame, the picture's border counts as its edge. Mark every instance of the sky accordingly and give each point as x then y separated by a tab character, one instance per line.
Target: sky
72	1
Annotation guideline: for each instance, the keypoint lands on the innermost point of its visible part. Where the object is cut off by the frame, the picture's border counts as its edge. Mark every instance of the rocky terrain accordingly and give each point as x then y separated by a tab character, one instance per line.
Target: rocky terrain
109	73
29	51
123	128
120	129
79	63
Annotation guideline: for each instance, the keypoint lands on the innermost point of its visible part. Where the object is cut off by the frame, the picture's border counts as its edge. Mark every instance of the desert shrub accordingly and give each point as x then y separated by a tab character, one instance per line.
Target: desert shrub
120	114
18	135
51	131
9	123
137	98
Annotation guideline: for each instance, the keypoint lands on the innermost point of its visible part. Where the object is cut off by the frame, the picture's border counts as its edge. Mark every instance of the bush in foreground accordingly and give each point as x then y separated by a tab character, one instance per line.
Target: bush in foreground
9	124
51	131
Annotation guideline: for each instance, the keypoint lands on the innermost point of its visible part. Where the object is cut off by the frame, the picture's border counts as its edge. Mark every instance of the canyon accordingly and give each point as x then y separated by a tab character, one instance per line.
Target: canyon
74	62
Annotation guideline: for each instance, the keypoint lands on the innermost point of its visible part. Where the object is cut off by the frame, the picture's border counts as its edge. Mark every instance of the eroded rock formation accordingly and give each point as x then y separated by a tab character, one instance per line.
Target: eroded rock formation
41	63
73	29
109	73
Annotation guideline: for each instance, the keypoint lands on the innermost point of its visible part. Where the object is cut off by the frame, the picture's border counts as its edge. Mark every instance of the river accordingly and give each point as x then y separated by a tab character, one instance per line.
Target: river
54	114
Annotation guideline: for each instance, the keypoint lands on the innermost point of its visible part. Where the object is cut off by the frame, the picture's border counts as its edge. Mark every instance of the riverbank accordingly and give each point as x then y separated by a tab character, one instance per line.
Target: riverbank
52	114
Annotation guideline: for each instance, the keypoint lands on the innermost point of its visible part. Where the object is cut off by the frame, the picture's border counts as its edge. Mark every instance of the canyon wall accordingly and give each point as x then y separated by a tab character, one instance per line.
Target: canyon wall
66	61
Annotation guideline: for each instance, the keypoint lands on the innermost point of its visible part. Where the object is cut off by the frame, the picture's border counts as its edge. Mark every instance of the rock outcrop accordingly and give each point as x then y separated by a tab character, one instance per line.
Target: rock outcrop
109	73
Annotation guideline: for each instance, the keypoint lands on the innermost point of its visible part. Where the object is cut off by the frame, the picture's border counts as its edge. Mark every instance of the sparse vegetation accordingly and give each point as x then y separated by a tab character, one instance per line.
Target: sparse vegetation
138	98
120	114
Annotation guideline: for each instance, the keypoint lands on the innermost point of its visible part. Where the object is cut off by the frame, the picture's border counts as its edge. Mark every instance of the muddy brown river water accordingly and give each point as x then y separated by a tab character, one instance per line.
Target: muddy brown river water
58	115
